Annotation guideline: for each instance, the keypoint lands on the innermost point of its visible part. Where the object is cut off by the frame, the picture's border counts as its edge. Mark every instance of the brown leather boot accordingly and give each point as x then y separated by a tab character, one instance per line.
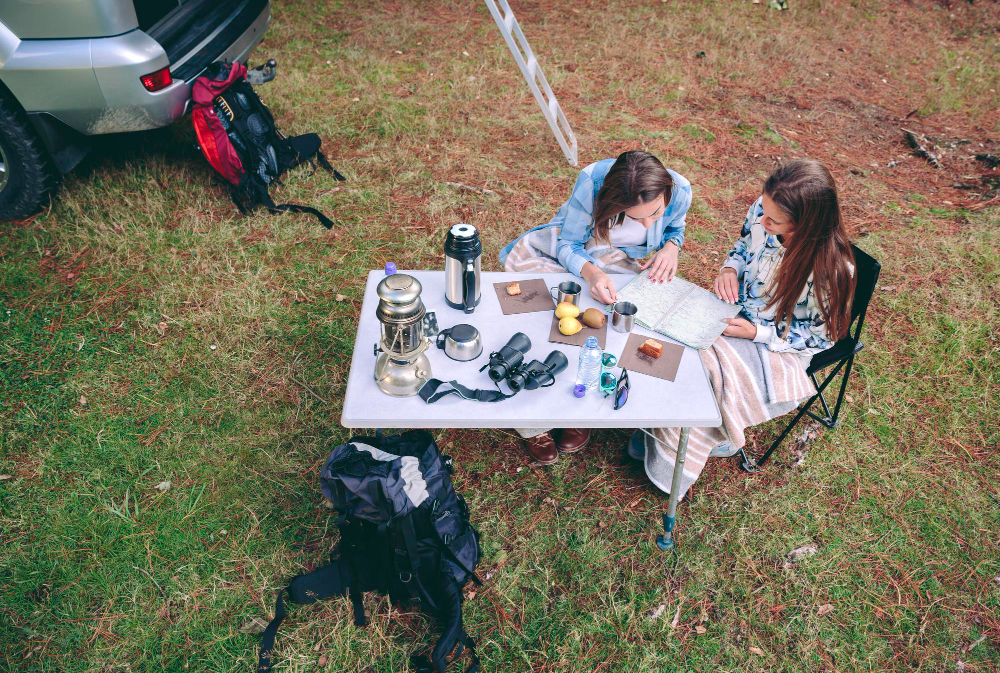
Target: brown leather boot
542	448
572	440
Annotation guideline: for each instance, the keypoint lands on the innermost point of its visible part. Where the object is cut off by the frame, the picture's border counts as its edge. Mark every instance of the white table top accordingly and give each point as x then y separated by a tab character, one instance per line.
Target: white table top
686	401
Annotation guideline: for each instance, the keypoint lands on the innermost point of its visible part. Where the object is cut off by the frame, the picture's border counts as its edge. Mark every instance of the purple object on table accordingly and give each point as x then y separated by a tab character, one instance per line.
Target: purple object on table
579	390
390	268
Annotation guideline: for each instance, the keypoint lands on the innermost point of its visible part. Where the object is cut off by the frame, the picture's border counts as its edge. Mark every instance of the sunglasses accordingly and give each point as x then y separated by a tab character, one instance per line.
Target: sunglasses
608	380
618	387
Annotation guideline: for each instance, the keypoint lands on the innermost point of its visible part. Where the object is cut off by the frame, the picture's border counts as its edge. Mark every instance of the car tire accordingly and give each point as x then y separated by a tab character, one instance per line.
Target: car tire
28	175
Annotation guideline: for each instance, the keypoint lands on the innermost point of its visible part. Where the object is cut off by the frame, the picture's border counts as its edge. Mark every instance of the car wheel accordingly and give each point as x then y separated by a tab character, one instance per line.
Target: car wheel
26	172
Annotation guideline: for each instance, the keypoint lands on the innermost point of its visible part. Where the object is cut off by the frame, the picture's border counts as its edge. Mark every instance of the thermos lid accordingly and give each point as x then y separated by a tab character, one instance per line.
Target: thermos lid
462	230
463	333
463	241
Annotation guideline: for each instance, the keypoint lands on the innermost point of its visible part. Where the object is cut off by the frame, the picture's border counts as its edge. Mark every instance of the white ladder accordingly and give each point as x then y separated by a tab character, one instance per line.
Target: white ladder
534	77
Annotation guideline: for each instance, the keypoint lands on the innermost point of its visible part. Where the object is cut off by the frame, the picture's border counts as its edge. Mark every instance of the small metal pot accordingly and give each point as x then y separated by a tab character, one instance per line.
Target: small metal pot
622	316
461	342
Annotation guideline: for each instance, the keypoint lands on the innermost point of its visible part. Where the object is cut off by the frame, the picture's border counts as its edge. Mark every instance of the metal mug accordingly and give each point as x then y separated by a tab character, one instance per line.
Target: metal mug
622	316
566	291
461	342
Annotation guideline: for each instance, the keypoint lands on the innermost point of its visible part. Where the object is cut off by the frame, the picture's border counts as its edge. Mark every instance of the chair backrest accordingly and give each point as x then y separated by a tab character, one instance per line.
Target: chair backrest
866	270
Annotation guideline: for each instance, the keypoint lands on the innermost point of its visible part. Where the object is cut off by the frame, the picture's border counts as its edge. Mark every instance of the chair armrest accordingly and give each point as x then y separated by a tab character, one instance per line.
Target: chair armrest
841	350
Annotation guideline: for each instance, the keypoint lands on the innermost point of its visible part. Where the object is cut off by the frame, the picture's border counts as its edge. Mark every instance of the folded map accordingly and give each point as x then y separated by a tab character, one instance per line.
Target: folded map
678	309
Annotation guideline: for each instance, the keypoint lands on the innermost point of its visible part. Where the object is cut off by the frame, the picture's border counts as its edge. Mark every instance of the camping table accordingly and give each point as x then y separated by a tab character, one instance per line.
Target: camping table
686	402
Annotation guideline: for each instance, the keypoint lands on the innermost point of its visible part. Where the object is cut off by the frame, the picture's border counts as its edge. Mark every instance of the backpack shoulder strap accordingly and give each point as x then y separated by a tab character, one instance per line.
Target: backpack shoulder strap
309	210
266	658
256	193
453	636
325	582
421	663
350	572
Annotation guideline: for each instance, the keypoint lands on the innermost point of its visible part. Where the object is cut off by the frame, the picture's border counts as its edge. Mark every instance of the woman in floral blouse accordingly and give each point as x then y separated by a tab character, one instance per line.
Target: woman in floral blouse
792	268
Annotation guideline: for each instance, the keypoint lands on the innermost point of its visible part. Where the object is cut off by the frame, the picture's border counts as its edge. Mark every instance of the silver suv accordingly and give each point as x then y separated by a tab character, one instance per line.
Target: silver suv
70	69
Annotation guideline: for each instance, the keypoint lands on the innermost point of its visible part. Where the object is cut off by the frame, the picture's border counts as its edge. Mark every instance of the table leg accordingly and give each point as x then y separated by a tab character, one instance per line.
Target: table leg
666	541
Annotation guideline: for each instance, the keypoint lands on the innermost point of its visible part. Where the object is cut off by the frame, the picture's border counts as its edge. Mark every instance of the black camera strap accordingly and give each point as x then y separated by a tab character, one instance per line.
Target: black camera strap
429	392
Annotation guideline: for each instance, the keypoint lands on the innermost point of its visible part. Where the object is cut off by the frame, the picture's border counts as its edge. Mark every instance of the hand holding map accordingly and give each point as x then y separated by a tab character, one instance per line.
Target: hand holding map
678	309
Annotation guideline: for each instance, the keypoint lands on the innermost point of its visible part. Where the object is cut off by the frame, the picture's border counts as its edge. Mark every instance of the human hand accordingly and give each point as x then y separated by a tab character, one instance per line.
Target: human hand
740	328
727	286
663	265
601	287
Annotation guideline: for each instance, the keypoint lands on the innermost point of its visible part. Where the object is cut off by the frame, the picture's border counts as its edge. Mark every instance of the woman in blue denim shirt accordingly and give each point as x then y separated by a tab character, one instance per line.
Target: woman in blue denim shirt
631	204
621	210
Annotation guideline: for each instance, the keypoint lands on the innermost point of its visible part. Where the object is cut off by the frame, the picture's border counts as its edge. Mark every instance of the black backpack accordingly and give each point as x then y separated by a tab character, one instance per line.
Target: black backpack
404	532
238	136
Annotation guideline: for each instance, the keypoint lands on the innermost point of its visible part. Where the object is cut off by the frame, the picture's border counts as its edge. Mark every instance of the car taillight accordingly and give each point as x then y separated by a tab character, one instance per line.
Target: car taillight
155	81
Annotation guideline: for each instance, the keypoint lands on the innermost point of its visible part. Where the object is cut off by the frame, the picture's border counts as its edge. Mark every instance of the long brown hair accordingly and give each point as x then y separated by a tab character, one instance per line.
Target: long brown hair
805	191
635	177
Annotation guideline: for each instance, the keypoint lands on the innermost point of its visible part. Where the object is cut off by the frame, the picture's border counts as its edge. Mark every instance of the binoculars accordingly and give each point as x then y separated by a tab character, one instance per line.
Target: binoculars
505	361
508	363
537	374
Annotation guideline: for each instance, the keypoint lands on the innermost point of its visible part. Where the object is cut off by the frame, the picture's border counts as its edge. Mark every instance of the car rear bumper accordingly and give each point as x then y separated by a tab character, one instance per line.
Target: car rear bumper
93	85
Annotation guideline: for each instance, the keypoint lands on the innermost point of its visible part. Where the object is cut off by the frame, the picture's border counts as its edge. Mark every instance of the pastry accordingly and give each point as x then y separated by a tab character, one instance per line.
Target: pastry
652	348
513	289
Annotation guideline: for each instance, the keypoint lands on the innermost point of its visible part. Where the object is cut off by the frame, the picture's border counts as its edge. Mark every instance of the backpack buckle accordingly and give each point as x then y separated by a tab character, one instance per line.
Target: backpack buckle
442	515
406	579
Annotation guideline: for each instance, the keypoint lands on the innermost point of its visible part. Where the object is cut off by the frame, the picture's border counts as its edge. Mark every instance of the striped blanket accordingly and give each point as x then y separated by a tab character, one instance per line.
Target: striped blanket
751	385
536	251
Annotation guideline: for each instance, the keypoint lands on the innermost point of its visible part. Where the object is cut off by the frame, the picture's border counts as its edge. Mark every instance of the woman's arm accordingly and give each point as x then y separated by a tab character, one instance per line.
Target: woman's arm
602	288
803	333
577	226
738	257
727	283
675	215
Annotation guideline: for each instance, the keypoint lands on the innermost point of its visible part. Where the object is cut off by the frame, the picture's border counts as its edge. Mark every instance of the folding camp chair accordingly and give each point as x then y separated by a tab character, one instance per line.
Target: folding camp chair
840	355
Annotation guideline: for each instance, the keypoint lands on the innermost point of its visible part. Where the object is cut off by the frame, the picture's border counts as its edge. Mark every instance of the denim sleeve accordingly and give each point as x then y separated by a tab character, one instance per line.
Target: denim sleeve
739	256
577	226
673	229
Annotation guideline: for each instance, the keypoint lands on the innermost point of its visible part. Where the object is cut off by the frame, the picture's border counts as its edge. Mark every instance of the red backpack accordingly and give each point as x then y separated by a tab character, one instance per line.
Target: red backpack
237	135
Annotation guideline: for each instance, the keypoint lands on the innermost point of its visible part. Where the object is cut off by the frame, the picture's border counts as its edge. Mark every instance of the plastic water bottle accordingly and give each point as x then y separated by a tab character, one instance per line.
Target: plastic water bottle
588	373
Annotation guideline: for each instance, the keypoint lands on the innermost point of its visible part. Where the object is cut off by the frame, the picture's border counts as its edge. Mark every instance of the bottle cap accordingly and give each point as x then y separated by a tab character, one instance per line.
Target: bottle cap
579	390
592	342
390	268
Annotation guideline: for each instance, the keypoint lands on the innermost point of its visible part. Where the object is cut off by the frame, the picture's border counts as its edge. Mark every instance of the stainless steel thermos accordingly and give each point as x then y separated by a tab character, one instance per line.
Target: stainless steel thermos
463	254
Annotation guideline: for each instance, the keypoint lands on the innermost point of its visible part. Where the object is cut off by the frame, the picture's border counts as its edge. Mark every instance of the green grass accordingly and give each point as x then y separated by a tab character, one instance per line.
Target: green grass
149	334
698	133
